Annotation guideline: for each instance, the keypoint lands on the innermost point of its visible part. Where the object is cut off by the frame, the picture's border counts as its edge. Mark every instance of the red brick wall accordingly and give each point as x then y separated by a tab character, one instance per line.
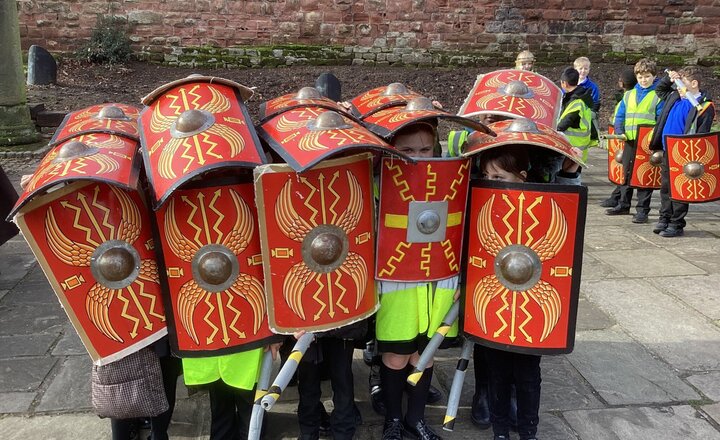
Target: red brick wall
551	27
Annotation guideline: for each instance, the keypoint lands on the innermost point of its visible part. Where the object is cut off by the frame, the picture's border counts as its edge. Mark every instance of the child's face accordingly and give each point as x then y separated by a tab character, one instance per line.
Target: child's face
691	85
583	69
645	79
493	172
419	144
526	64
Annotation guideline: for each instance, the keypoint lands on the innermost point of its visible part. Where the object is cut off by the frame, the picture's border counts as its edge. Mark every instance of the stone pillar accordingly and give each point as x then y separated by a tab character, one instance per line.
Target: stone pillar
16	127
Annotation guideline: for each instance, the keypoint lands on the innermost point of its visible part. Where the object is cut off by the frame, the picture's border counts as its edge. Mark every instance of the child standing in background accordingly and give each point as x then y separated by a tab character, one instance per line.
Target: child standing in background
582	65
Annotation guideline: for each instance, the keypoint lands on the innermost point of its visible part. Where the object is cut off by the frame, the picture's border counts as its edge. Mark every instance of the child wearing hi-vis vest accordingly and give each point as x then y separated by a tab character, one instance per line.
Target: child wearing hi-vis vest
638	106
576	111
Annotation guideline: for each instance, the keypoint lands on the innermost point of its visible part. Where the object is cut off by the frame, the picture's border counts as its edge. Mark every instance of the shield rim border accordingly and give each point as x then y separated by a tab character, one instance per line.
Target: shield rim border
245	92
54	141
170	322
611	130
328	104
684	136
54	283
260	202
132	185
499	143
463	241
582	192
387	134
637	150
159	202
486	112
295	165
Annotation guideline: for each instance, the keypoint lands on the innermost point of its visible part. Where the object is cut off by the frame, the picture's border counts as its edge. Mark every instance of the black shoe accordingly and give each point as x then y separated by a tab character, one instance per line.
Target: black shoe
659	227
377	399
672	232
480	414
421	431
618	210
393	430
640	217
608	203
434	395
501	437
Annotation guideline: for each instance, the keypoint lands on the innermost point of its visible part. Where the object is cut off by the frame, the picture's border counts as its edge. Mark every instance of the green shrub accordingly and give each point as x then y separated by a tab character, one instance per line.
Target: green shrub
109	42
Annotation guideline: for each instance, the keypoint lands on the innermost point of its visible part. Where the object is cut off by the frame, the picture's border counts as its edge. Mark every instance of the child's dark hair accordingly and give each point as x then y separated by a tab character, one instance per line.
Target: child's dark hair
570	76
628	78
645	65
511	158
691	73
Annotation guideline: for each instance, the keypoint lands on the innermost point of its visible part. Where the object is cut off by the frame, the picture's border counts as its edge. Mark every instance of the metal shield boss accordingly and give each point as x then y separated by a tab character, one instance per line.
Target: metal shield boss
382	97
305	97
421	219
111	118
523	268
317	236
192	126
616	173
94	242
514	93
211	254
694	165
646	165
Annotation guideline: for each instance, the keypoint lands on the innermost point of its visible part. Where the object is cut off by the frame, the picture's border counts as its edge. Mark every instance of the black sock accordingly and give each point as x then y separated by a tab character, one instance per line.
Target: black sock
393	384
417	398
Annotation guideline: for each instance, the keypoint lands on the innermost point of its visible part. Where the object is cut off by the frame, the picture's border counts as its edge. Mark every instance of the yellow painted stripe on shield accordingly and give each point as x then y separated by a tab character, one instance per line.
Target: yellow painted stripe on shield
396	221
454	219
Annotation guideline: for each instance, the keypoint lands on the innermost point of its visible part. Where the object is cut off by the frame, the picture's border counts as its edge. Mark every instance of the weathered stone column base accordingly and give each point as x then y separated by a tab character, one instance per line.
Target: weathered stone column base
16	127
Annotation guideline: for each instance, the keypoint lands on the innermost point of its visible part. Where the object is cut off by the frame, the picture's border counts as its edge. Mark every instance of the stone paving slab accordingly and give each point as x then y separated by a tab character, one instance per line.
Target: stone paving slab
669	423
35	290
563	388
24	374
25	319
65	427
678	334
70	389
635	263
713	411
701	292
623	372
69	344
17	261
12	403
26	345
3	293
613	238
708	384
591	317
594	269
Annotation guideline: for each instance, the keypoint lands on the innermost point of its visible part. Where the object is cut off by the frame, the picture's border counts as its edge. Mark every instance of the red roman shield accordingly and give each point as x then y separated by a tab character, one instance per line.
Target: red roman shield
515	93
382	97
646	166
317	237
211	252
305	97
616	173
694	163
119	119
421	219
94	243
523	269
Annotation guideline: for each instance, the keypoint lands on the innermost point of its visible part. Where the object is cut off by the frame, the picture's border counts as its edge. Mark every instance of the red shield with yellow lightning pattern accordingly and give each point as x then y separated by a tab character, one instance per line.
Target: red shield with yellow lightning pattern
382	97
317	236
194	127
646	166
523	269
89	156
694	164
305	97
514	93
119	119
421	219
94	243
616	173
211	251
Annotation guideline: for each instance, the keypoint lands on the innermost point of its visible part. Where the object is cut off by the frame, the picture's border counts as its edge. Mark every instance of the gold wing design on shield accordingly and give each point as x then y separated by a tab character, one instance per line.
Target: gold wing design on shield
550	244
68	251
295	281
182	247
239	238
355	267
289	221
131	223
249	288
548	299
351	215
488	288
490	240
97	307
189	297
